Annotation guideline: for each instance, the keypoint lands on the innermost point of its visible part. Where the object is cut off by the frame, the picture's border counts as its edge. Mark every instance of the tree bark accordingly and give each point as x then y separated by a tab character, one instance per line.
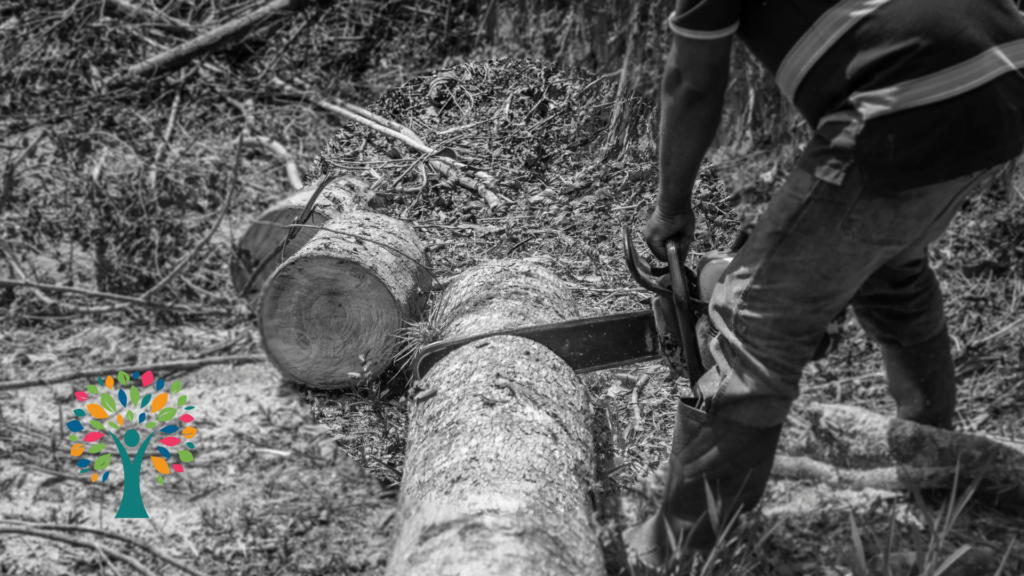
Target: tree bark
855	448
330	315
500	458
344	194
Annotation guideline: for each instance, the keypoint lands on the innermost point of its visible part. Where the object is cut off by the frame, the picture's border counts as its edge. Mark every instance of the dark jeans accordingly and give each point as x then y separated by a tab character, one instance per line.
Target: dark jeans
825	241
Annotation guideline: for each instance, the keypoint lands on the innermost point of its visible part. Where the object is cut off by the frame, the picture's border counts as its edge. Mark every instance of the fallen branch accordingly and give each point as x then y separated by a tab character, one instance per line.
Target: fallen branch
188	364
73	528
104	295
166	22
95	545
446	166
294	178
855	448
234	30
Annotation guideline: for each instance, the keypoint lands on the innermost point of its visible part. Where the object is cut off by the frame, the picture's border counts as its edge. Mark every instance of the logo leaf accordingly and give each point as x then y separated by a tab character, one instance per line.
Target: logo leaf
134	395
147	378
182	399
77	449
176	387
109	382
159	402
79	412
189	432
102	462
160	465
169	429
97	424
97	449
97	411
166	414
83	463
164	451
75	426
123	378
122	398
108	402
92	389
185	456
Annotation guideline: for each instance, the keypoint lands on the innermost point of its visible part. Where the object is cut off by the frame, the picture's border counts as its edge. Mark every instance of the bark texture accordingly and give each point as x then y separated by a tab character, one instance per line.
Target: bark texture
500	459
330	314
343	194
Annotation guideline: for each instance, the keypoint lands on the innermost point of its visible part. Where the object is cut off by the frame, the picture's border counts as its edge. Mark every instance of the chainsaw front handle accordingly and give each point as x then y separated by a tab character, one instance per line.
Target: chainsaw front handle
685	317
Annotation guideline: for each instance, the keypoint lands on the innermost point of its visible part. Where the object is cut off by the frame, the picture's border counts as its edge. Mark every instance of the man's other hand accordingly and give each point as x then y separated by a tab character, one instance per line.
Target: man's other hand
662	227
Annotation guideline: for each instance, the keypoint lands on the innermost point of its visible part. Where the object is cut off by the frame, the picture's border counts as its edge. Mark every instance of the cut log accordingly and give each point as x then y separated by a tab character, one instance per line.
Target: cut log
500	454
330	315
343	194
851	447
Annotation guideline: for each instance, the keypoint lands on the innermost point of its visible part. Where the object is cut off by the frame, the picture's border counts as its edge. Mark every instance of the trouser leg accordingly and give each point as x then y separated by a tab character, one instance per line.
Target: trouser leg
900	306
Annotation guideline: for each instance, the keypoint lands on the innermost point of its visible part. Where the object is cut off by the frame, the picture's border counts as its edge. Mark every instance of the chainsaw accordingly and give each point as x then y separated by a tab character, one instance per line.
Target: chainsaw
669	329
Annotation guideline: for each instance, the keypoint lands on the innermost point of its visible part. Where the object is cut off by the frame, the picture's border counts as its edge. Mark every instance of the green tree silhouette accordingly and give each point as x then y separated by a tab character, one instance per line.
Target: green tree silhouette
107	419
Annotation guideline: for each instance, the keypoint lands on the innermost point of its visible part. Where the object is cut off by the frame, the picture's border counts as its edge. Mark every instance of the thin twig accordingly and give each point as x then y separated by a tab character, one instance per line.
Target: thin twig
278	149
72	477
104	549
93	294
299	220
154	16
186	364
1002	331
115	535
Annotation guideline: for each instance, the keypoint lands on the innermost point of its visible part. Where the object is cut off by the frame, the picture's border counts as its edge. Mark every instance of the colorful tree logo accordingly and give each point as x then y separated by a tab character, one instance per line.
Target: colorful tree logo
107	419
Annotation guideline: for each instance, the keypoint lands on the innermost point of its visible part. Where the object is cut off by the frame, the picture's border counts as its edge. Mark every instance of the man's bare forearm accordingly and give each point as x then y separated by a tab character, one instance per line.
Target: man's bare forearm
691	107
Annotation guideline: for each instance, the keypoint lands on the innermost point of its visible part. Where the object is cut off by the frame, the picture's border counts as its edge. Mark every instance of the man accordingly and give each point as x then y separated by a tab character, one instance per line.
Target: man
914	102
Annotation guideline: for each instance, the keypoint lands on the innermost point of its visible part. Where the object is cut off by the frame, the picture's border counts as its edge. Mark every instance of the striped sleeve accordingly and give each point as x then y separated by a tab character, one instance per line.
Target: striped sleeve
705	19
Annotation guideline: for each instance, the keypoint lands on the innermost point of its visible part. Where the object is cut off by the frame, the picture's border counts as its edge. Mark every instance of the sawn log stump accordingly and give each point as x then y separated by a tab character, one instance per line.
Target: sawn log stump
330	313
500	458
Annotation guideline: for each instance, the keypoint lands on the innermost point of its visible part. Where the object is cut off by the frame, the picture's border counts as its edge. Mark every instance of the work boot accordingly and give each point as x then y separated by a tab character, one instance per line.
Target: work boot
735	460
922	380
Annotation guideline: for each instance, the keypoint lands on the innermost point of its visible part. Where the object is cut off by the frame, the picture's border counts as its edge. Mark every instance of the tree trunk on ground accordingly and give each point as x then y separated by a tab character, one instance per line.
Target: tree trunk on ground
499	460
344	194
851	447
330	315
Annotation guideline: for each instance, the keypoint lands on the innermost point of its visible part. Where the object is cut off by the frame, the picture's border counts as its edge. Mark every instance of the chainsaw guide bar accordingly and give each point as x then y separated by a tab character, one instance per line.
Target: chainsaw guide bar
586	345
